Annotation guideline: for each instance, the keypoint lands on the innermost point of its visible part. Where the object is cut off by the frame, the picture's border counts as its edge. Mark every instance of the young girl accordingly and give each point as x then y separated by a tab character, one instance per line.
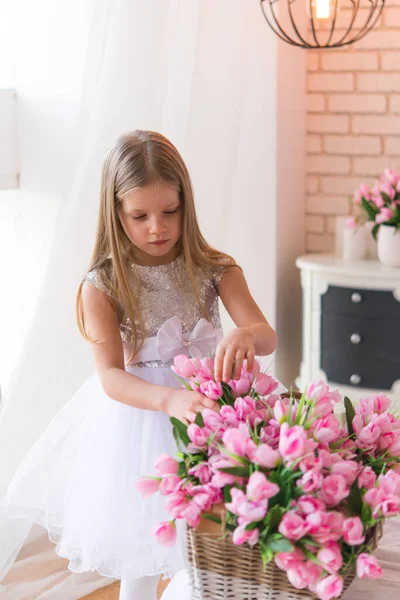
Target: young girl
151	293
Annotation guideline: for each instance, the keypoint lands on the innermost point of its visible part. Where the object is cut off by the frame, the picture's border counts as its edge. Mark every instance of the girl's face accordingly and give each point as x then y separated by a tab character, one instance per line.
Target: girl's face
152	220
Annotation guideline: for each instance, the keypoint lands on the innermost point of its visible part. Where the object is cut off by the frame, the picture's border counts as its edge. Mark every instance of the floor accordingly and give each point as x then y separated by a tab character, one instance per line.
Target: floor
111	592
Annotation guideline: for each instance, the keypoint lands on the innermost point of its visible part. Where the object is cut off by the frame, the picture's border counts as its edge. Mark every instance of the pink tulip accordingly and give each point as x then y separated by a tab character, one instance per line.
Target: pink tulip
284	560
297	575
241	386
348	469
353	531
334	489
165	533
324	399
202	471
198	435
310	504
175	503
212	390
259	488
280	410
235	441
367	478
211	419
368	567
388	190
311	481
170	484
293	526
191	513
265	456
381	403
369	434
351	223
245	407
329	587
292	442
385	215
240	536
229	416
391	176
330	557
184	366
327	429
241	506
147	486
362	192
265	384
165	465
207	363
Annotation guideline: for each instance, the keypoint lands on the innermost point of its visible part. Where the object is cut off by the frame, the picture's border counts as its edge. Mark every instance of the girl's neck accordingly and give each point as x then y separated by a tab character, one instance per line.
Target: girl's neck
146	260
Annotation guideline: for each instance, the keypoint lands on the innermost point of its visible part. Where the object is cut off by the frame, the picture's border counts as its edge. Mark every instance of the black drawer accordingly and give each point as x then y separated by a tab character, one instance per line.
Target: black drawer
373	304
341	367
361	337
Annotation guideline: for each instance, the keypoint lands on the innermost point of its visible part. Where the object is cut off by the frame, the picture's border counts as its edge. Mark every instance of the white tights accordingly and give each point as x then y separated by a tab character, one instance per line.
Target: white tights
144	588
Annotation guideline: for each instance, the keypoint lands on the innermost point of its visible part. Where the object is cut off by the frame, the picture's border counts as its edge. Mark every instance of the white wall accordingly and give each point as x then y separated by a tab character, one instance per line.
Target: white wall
228	134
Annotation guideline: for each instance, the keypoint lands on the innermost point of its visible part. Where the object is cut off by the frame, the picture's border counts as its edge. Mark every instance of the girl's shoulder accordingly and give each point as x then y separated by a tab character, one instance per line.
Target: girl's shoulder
100	277
218	266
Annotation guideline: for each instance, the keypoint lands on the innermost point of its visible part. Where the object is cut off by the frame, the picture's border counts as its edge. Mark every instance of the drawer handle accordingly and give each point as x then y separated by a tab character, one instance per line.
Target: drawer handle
356	297
355	379
355	338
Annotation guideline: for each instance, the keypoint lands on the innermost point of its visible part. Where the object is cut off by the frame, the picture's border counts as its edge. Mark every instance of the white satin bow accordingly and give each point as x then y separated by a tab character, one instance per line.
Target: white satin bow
171	341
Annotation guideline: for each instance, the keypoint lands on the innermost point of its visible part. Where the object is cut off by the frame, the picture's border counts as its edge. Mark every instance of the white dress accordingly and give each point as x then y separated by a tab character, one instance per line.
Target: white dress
78	481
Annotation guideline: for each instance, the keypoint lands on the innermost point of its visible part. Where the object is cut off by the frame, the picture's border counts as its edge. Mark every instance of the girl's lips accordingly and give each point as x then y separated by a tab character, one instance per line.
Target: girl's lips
159	243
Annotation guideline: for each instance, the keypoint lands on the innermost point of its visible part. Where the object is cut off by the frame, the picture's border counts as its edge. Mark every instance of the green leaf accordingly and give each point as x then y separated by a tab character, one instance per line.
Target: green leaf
350	414
182	471
227	494
181	430
371	209
274	516
212	518
374	231
199	420
237	471
354	499
251	526
279	544
366	513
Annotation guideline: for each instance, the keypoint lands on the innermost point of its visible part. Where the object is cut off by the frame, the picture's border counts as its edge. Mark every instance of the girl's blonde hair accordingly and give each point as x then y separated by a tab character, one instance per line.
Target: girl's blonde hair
138	159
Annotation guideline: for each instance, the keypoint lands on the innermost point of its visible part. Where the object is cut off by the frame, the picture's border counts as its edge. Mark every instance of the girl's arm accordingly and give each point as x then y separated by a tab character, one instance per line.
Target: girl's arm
102	326
253	335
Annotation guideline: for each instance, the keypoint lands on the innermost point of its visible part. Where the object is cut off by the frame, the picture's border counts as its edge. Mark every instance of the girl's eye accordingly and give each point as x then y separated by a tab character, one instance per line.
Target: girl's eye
138	218
171	212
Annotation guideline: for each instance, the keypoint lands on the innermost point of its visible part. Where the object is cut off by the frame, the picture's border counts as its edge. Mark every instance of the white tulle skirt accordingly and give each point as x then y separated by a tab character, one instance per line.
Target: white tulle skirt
78	482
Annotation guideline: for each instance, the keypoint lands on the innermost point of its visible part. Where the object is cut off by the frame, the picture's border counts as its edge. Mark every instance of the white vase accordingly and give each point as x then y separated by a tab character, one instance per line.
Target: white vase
372	250
354	243
389	246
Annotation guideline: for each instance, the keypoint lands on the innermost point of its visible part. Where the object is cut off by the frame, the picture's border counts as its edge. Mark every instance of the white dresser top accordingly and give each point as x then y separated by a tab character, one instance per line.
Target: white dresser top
329	263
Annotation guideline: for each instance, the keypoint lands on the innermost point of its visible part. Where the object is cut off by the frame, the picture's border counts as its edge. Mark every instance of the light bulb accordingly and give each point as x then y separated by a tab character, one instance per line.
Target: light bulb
322	9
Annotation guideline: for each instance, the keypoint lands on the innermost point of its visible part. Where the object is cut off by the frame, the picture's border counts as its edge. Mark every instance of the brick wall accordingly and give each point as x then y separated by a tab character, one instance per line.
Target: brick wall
353	123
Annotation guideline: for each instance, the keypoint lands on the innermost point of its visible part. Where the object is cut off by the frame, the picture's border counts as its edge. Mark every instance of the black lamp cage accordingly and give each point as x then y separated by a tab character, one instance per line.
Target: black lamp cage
348	21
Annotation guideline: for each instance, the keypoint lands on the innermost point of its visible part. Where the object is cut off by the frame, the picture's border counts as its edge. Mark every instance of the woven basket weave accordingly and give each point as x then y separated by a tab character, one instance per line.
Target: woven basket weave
219	570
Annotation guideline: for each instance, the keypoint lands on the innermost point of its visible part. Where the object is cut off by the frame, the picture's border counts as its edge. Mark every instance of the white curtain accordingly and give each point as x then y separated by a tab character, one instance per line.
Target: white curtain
203	73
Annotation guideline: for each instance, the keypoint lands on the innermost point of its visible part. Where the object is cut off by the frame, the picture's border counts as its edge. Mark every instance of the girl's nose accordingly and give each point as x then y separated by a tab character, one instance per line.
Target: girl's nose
156	226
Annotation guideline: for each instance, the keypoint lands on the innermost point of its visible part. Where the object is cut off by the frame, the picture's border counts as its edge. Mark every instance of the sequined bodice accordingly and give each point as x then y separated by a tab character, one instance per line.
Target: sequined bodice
165	291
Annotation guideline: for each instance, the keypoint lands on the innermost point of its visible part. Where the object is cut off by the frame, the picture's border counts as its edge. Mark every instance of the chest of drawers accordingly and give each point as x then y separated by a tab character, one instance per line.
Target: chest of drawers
351	325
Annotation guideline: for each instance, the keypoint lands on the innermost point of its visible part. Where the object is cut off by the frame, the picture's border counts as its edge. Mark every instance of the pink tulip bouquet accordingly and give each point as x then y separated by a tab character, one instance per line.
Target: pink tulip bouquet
380	203
306	488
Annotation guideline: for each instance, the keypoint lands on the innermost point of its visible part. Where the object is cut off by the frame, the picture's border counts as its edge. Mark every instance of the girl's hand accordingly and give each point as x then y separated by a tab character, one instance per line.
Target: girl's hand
184	405
237	346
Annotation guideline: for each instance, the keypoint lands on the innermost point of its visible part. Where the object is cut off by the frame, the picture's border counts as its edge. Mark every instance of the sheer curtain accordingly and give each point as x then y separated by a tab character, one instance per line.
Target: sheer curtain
203	73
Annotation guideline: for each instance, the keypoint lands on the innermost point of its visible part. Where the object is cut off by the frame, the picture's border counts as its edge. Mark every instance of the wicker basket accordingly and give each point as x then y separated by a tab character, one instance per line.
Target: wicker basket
219	570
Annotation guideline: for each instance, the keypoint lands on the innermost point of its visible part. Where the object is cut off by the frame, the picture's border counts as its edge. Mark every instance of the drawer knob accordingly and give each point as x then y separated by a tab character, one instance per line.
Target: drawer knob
355	338
356	297
355	379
